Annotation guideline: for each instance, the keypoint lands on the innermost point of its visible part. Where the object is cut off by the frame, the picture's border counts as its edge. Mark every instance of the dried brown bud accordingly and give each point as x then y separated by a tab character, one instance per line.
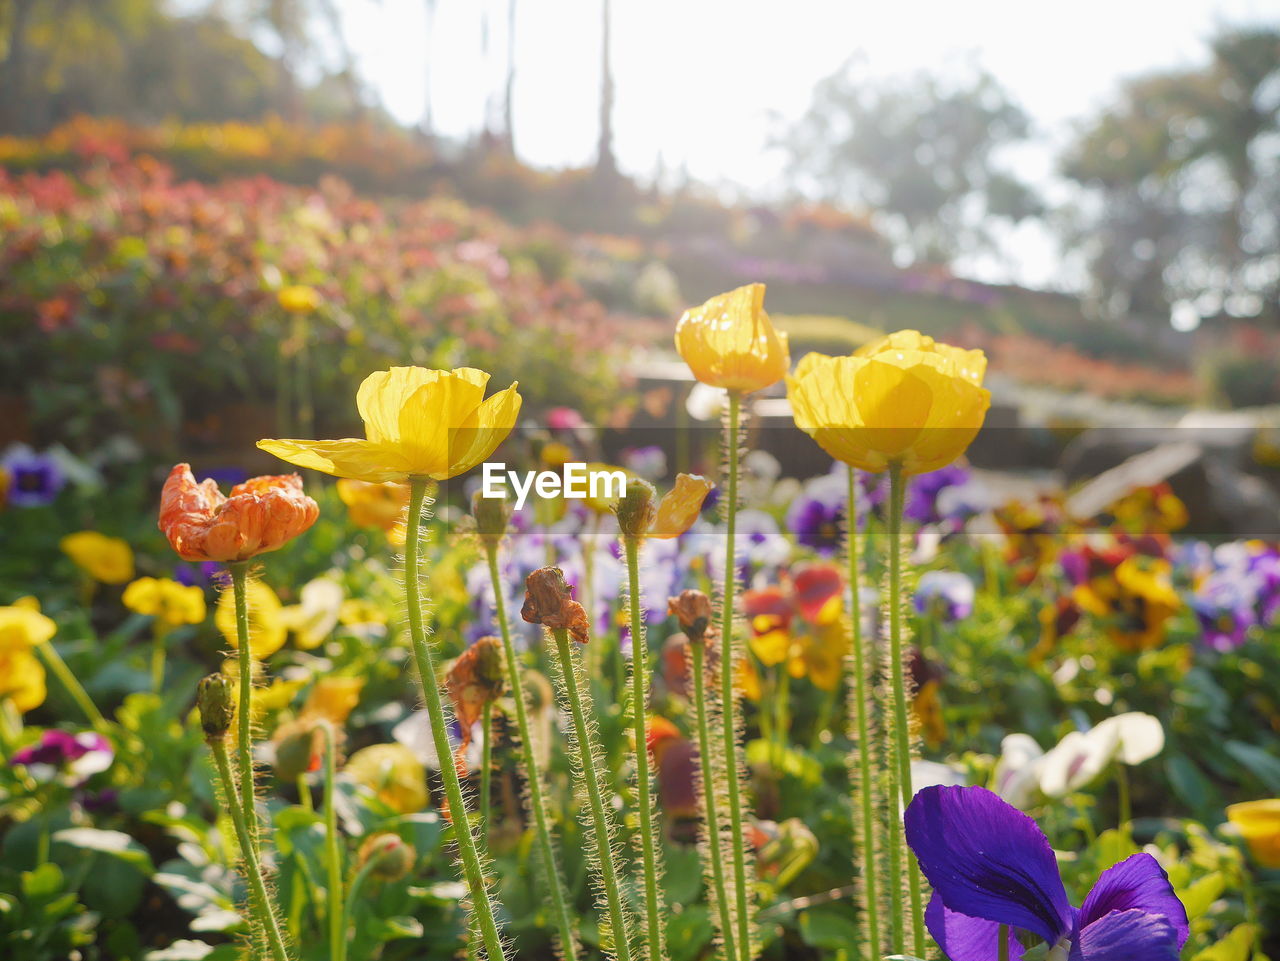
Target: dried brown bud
637	509
476	678
693	610
388	856
216	705
549	601
492	515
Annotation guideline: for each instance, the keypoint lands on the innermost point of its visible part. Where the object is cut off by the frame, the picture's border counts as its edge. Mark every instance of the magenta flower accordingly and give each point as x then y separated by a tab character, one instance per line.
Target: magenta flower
990	864
70	759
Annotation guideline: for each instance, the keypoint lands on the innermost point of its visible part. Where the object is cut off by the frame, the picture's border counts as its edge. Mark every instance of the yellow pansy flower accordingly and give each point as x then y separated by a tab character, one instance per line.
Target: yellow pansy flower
22	680
22	628
334	698
1259	824
267	629
418	423
905	399
730	343
105	559
166	600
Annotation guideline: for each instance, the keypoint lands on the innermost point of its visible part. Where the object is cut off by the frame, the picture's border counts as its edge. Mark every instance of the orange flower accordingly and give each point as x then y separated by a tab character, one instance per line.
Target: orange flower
548	601
261	515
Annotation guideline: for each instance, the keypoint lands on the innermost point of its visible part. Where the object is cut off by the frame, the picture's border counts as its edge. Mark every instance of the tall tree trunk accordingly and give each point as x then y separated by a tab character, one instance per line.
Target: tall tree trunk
606	165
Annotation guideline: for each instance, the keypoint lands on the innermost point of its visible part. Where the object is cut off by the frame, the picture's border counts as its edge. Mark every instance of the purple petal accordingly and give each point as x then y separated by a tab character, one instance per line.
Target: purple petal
1127	936
963	938
988	860
1138	882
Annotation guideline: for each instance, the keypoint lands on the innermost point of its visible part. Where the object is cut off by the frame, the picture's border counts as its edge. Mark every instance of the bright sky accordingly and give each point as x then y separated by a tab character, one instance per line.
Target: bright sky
705	83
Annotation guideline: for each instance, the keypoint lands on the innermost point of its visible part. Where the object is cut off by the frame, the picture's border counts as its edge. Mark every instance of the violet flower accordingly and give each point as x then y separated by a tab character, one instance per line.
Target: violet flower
991	865
923	490
34	479
69	759
945	594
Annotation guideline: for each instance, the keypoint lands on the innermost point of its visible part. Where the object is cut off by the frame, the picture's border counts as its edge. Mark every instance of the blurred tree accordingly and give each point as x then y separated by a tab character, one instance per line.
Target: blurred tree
606	164
1183	180
919	153
428	123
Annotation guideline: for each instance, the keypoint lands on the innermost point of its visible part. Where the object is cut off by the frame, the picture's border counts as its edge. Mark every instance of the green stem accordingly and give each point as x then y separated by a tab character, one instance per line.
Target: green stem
591	781
333	853
1125	804
42	837
533	776
73	685
158	638
728	699
304	793
244	725
486	763
1002	945
865	748
654	933
712	816
901	724
260	898
353	894
481	905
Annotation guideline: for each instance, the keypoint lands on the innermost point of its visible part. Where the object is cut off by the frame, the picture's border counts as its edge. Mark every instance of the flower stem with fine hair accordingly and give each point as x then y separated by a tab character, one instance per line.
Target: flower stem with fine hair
259	896
590	777
639	705
244	720
482	906
728	699
711	816
900	719
333	851
866	810
533	776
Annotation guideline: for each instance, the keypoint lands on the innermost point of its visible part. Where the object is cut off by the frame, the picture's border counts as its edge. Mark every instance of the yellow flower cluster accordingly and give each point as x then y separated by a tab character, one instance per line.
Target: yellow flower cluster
22	677
108	560
170	603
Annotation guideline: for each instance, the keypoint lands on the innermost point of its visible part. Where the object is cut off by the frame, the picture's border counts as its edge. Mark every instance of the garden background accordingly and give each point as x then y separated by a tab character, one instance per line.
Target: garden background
217	218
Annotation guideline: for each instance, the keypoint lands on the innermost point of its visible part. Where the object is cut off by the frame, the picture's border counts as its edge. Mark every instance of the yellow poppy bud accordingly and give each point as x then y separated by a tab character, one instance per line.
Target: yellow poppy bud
729	342
1259	824
904	399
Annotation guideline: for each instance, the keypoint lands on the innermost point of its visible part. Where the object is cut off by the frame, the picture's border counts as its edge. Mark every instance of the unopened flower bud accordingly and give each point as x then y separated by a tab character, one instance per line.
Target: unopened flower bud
693	612
548	601
637	509
299	748
388	856
492	515
216	705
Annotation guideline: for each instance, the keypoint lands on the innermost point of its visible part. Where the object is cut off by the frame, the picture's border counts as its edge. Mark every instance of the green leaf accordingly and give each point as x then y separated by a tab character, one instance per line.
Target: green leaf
829	930
44	882
689	932
1261	764
1234	947
1197	898
117	844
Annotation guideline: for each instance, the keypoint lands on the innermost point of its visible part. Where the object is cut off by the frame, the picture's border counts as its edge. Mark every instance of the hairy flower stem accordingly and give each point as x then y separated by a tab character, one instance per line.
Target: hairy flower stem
533	776
866	752
587	752
901	723
711	817
244	721
486	763
259	897
78	694
333	852
654	929
481	905
729	702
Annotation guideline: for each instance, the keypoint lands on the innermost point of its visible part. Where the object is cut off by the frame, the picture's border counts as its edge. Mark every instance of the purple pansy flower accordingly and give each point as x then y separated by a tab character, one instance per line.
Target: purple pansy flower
990	864
1226	607
948	594
70	759
923	489
34	479
649	462
816	517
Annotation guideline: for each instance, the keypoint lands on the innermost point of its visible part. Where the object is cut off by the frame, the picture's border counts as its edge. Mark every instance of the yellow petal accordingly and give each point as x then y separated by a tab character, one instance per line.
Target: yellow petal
679	508
729	341
267	632
351	457
383	395
494	420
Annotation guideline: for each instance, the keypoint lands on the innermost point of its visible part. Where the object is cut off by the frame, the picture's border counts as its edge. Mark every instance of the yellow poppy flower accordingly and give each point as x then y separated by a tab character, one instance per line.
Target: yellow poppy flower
376	505
904	399
22	628
166	600
334	698
729	342
393	774
299	299
1259	824
22	680
418	423
105	559
267	629
679	507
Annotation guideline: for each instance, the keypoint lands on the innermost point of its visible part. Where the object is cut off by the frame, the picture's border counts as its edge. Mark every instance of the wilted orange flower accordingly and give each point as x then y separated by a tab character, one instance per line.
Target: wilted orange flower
476	678
729	342
548	601
693	612
261	515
